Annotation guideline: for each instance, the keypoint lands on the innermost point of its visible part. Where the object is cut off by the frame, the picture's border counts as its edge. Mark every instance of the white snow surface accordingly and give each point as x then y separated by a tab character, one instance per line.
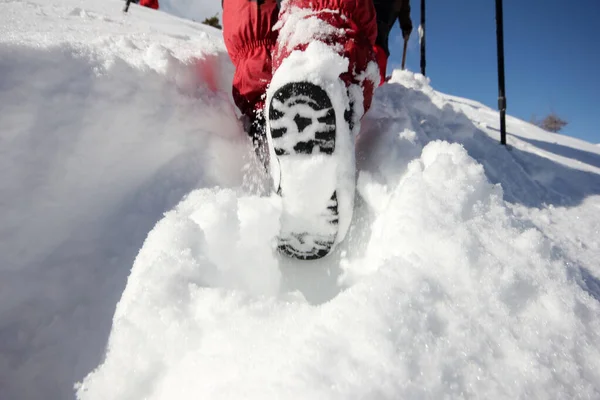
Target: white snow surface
137	236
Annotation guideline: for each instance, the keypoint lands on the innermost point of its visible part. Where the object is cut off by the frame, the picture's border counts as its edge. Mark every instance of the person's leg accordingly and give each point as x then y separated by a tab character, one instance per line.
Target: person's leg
385	22
348	26
249	38
388	12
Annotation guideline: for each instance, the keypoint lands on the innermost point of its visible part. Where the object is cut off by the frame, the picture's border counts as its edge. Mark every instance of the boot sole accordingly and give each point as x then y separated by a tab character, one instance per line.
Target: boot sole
302	127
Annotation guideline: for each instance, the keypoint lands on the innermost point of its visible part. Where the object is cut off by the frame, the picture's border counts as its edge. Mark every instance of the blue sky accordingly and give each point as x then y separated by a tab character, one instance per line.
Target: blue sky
552	56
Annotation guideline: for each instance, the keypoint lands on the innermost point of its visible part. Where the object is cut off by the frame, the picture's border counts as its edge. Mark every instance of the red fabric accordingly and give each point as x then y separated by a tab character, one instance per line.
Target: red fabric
150	3
381	58
357	20
251	41
249	38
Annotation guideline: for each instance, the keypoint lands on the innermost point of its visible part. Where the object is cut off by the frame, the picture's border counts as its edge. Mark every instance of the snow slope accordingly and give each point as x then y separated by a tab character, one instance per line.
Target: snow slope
470	270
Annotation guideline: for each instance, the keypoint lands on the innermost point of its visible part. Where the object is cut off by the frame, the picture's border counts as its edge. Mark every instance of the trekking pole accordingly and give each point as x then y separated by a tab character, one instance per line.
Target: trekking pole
127	3
404	52
422	33
501	89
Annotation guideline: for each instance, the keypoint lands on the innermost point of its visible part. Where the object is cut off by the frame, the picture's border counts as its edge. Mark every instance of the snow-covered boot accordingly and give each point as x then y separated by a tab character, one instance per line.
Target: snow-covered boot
324	75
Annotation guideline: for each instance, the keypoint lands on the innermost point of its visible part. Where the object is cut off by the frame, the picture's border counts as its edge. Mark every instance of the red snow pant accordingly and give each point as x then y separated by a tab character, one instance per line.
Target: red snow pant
149	3
252	42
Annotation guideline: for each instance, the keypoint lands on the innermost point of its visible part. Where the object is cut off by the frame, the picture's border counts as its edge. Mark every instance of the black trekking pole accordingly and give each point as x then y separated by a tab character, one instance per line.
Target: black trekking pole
404	52
127	3
501	91
422	37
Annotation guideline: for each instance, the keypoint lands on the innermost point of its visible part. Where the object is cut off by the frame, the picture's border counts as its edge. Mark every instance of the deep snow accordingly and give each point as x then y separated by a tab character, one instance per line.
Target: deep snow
470	270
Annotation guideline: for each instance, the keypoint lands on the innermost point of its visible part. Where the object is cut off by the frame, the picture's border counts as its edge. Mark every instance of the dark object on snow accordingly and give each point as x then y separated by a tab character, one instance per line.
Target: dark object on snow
146	3
501	90
127	3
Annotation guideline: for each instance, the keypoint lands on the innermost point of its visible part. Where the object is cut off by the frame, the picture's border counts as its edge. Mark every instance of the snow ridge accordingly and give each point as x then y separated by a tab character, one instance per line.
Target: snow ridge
441	291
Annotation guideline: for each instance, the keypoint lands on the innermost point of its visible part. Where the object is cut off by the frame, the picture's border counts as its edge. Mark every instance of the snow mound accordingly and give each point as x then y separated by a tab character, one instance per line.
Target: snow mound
103	128
207	241
467	301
